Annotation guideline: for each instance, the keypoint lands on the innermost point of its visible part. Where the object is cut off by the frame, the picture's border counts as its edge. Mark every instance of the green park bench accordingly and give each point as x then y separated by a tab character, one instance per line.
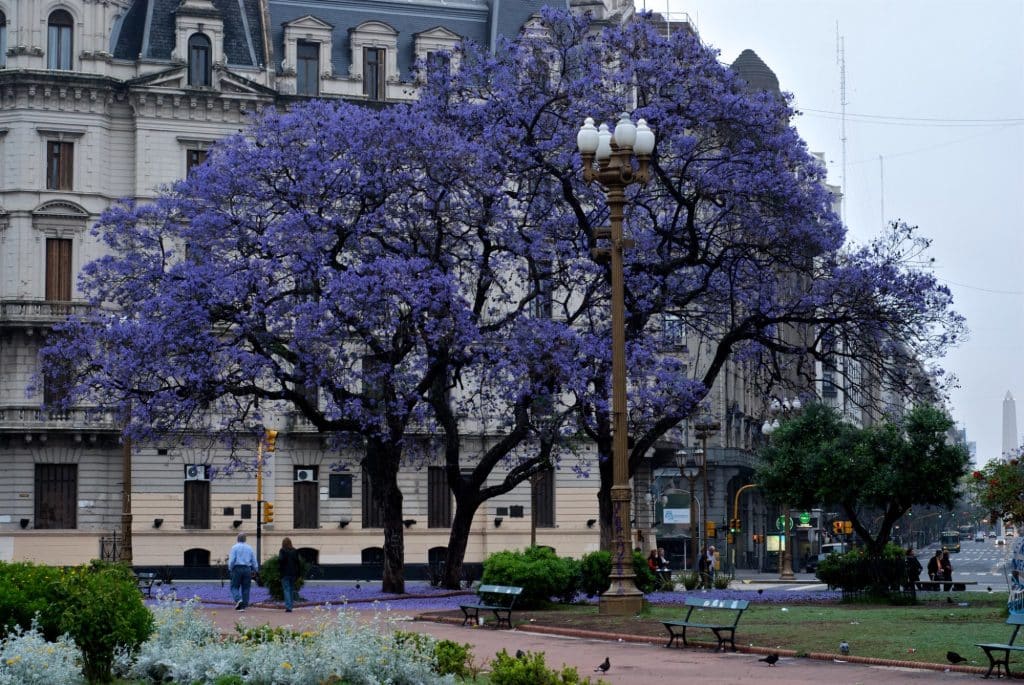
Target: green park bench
720	607
999	654
498	599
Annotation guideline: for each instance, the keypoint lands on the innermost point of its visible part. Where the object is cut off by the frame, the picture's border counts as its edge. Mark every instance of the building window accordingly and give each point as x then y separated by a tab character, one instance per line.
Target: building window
340	486
439	498
58	269
306	498
197	556
194	158
197	504
439	63
307	69
374	72
541	306
60	158
3	40
543	486
199	63
673	331
56	493
59	43
373	508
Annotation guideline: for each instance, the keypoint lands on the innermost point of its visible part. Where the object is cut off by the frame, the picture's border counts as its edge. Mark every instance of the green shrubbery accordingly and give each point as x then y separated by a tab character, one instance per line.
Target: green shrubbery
530	669
856	572
270	577
596	567
97	605
538	570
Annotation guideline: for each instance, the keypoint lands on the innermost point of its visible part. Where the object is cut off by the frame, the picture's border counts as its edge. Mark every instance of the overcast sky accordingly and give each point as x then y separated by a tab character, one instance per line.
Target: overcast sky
936	89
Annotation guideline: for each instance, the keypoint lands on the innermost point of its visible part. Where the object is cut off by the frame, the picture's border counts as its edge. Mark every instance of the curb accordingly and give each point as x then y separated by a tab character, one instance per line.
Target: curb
817	656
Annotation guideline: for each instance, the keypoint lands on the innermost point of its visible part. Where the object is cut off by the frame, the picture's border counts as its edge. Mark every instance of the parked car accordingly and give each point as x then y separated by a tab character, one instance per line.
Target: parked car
1000	541
811	565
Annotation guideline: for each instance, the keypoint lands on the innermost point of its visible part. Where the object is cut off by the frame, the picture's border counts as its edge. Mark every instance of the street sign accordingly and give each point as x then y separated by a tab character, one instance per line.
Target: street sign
805	519
780	523
676	516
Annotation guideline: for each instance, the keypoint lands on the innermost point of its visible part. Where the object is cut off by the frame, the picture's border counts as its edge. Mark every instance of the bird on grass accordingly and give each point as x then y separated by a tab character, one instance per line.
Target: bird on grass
955	658
770	659
760	590
989	588
844	647
605	665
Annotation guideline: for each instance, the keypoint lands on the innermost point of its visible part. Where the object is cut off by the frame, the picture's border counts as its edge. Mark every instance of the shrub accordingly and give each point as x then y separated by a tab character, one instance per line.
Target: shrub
721	581
537	570
596	567
103	610
530	669
270	577
691	579
27	658
858	572
453	658
28	591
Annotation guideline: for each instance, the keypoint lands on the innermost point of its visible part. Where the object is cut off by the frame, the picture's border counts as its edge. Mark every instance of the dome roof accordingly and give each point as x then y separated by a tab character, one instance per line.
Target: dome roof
749	67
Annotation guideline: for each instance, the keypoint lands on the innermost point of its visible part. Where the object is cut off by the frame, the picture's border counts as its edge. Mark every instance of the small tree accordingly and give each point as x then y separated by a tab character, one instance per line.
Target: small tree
816	457
998	489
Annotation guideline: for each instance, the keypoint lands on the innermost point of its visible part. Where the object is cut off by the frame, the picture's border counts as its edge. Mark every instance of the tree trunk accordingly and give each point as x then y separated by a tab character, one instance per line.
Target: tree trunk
465	510
383	471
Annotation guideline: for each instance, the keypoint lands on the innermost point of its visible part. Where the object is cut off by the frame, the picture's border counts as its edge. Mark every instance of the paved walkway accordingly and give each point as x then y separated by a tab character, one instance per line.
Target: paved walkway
631	663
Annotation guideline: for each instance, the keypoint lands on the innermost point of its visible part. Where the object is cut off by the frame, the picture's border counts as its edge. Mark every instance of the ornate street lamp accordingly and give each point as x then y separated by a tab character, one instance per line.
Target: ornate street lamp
690	470
705	427
786	408
608	159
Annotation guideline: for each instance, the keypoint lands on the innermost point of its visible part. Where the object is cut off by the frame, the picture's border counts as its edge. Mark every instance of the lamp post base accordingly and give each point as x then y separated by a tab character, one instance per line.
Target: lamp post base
620	600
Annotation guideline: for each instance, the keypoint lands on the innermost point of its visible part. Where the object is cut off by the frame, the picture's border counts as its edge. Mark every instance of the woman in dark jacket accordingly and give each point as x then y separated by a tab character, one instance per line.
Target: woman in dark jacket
288	563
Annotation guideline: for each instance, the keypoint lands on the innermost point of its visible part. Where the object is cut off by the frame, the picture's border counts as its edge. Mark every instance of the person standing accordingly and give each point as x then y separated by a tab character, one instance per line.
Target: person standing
288	563
946	571
242	565
913	569
933	565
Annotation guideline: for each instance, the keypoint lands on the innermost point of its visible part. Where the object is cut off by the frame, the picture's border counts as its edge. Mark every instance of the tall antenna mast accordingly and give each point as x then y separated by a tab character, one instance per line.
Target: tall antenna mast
841	61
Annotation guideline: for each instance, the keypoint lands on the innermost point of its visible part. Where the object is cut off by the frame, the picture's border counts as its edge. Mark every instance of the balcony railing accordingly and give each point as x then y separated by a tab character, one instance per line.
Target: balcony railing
35	419
38	312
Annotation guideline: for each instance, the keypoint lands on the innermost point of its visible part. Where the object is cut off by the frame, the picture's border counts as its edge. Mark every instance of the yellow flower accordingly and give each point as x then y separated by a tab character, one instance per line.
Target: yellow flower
286	665
13	660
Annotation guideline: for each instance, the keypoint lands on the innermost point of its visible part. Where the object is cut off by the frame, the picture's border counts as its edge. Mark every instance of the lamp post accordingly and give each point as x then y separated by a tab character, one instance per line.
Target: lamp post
704	428
786	408
608	159
689	469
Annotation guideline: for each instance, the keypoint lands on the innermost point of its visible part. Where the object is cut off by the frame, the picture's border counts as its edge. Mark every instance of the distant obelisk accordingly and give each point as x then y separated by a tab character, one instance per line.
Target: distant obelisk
1010	440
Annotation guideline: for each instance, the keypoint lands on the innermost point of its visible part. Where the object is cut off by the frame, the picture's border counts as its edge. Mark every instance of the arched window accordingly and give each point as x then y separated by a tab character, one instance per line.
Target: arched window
3	40
59	43
199	63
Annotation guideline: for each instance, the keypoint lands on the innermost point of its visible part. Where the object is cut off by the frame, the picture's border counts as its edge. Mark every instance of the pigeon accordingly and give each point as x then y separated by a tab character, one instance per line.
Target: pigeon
989	588
844	647
760	591
605	665
770	659
357	586
520	654
954	658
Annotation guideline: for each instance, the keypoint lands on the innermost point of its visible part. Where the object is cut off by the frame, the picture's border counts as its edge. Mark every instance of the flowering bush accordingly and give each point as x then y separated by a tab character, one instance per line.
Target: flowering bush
186	647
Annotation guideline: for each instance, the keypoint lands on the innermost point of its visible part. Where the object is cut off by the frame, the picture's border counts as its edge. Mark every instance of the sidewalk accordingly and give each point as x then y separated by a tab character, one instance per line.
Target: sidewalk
635	661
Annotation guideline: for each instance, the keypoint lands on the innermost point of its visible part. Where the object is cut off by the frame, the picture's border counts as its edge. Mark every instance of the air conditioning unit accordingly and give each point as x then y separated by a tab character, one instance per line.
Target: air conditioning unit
195	472
305	476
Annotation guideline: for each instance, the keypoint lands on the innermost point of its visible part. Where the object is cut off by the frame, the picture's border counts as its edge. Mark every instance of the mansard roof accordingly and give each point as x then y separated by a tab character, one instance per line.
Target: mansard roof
481	21
147	31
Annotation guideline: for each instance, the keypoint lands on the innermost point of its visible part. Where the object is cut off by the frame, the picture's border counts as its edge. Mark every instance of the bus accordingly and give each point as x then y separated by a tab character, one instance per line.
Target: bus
951	540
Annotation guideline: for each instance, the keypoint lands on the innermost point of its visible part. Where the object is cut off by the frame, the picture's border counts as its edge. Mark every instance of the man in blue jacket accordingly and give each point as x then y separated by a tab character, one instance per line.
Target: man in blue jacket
242	566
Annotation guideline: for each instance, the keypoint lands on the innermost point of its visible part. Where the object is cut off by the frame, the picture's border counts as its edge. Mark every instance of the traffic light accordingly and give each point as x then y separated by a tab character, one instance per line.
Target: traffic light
837	527
710	530
268	512
734	526
847	527
271	440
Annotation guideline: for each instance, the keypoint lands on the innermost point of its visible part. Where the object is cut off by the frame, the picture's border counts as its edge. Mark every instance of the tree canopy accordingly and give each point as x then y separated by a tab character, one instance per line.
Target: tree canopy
422	270
874	474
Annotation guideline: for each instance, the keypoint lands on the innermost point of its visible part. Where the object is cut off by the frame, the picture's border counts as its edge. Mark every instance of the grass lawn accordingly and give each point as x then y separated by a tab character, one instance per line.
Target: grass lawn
923	632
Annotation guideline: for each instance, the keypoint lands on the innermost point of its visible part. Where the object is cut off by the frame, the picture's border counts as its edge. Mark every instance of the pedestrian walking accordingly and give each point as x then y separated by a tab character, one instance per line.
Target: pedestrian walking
288	564
946	571
242	566
913	569
933	565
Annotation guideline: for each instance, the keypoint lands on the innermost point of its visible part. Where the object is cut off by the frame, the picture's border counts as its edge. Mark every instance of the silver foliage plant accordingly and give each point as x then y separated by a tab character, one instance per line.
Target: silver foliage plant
186	647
